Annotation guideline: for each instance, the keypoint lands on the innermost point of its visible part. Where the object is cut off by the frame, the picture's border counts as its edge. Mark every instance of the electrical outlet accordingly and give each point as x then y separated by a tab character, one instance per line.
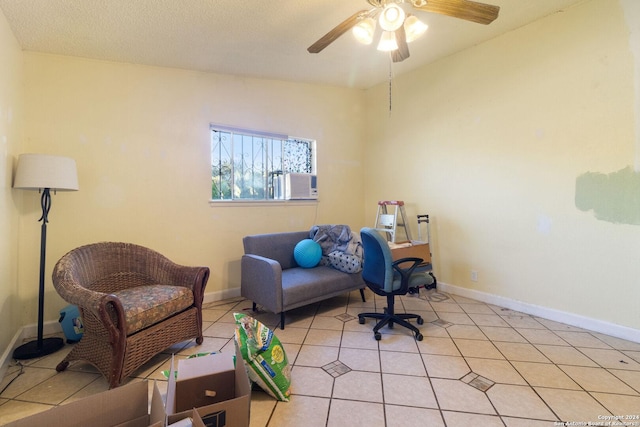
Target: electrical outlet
474	276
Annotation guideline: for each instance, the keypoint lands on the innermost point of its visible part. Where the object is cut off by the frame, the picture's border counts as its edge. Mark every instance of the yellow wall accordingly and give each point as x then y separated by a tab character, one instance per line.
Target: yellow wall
491	143
10	136
140	137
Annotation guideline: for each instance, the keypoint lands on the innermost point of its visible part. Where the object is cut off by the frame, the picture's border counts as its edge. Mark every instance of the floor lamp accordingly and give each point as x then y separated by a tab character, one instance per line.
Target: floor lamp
44	173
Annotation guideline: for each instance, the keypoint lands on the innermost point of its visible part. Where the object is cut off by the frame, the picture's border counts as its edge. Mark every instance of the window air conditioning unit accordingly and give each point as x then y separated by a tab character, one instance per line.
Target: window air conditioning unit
296	186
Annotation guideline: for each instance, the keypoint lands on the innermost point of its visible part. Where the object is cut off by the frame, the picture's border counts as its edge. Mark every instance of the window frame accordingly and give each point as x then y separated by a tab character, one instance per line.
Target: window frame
266	170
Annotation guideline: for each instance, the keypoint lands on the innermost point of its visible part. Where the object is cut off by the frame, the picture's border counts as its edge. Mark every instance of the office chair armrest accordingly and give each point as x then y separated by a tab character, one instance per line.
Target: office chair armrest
405	273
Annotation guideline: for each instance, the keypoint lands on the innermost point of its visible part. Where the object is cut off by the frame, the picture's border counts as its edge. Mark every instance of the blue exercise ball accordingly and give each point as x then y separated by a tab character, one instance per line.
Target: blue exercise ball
307	253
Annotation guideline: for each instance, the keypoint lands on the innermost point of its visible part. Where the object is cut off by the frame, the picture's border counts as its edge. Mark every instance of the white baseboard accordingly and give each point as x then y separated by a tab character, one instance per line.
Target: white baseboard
221	295
572	319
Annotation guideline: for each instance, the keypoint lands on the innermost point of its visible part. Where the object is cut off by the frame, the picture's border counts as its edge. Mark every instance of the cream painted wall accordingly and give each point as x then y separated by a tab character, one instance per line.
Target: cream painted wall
11	77
140	137
491	141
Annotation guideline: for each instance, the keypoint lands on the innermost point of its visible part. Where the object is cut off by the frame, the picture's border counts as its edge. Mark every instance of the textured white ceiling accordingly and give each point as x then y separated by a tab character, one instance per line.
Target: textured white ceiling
245	37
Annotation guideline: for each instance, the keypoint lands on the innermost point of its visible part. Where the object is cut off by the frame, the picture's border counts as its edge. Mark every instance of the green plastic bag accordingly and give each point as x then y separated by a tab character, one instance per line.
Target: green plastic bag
264	357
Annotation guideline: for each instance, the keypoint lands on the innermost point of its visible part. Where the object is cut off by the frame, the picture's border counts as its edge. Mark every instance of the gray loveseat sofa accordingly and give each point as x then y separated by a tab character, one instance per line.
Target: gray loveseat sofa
271	277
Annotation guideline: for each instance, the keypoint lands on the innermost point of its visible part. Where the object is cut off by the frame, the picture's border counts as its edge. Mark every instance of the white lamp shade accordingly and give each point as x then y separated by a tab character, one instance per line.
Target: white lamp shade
392	17
364	30
388	42
39	171
414	28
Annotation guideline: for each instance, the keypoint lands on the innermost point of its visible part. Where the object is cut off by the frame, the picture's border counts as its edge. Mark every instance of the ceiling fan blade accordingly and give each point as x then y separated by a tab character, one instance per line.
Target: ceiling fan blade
339	30
402	52
463	9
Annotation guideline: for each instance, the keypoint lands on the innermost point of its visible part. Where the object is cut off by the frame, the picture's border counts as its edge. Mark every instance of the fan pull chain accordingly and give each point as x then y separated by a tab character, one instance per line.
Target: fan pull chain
390	77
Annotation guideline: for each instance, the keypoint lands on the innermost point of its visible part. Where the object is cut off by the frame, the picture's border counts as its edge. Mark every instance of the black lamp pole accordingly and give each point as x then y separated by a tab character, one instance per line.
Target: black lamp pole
41	346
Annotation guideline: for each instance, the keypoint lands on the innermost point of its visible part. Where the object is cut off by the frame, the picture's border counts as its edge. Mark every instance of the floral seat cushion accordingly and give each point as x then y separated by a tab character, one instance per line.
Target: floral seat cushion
149	304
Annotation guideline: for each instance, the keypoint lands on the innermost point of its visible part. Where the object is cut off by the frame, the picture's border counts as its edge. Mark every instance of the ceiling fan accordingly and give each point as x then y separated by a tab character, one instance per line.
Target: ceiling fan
399	27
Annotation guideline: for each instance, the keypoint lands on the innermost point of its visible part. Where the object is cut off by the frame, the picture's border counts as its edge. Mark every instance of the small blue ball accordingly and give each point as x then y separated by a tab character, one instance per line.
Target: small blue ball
307	253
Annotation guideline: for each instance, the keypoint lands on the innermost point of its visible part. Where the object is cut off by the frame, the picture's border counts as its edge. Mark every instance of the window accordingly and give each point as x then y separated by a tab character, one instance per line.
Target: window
247	165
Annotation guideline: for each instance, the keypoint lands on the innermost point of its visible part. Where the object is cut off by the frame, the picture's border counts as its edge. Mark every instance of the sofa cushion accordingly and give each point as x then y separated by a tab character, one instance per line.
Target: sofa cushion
305	284
147	305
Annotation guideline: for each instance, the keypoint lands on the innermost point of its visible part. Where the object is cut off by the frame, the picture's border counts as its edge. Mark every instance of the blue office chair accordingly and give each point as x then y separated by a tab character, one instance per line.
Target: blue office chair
388	278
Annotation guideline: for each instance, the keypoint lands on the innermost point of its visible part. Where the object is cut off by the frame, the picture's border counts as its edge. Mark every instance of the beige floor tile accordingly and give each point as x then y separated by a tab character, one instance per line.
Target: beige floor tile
562	355
58	388
597	379
475	420
457	396
609	358
631	378
446	307
99	385
498	371
437	345
310	382
541	336
617	343
502	334
571	405
516	400
262	407
521	352
358	414
520	321
323	337
316	356
488	320
557	326
212	315
545	375
408	391
471	332
396	362
621	405
456	318
356	385
300	411
30	378
403	416
452	367
523	422
476	348
323	322
16	409
291	335
362	340
475	308
394	342
360	359
220	330
582	339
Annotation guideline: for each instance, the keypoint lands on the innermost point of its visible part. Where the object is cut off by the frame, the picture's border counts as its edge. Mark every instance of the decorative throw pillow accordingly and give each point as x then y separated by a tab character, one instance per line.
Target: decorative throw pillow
264	357
307	253
346	263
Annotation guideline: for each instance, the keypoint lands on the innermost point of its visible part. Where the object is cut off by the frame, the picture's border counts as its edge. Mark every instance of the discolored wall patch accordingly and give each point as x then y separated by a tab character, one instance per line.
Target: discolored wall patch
613	197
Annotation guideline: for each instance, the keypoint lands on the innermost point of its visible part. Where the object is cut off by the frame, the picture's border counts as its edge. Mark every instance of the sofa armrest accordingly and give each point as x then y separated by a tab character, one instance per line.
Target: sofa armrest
261	281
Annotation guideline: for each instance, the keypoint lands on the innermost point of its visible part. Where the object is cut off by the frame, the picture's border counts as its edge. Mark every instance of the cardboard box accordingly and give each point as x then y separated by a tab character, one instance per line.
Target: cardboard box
125	406
412	249
219	392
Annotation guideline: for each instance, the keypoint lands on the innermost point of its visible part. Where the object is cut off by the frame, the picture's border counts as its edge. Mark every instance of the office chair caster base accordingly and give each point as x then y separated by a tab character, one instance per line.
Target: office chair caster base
418	337
361	320
378	336
419	320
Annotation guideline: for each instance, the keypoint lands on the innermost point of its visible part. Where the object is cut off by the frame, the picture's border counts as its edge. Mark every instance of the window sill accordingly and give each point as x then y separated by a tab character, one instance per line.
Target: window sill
274	203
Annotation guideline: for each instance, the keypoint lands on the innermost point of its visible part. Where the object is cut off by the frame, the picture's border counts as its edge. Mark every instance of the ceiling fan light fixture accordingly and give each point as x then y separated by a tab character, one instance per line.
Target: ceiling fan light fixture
391	17
388	42
363	31
414	28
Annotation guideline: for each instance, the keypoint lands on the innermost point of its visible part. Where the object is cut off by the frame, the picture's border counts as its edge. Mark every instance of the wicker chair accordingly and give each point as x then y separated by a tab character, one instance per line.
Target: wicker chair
134	303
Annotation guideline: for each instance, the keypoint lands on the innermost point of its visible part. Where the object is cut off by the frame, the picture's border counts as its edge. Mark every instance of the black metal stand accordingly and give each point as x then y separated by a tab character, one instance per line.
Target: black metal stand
41	346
